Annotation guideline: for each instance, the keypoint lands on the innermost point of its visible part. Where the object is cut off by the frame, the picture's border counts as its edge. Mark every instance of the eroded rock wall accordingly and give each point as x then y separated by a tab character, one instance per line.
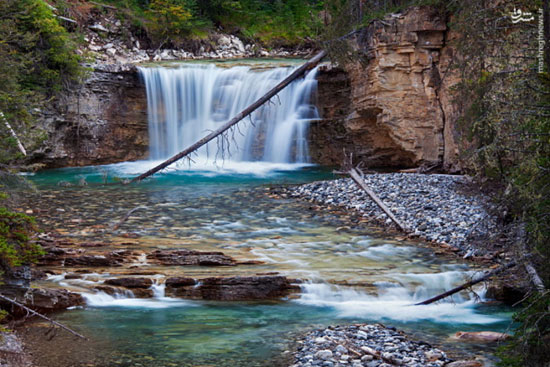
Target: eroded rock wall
103	121
392	109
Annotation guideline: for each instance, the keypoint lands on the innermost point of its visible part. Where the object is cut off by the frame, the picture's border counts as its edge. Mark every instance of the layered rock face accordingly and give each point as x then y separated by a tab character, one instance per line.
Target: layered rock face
392	109
104	121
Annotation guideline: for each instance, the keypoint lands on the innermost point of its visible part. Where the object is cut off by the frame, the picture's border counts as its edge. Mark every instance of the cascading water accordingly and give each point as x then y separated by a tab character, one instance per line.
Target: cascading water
187	102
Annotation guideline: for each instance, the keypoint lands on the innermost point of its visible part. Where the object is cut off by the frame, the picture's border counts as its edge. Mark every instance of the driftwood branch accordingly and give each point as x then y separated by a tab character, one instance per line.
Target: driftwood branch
125	218
30	310
482	277
311	63
66	19
54	9
354	174
19	145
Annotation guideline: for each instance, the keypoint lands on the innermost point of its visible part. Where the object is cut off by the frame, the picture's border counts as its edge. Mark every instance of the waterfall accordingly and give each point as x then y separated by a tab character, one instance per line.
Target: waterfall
187	102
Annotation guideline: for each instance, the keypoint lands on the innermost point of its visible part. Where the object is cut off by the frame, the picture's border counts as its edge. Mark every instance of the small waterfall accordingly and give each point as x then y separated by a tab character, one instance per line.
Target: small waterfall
396	301
187	102
159	289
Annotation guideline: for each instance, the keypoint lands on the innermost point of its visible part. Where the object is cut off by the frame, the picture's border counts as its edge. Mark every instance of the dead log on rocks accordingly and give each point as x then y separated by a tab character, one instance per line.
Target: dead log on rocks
536	281
310	64
354	174
481	336
12	133
33	312
484	276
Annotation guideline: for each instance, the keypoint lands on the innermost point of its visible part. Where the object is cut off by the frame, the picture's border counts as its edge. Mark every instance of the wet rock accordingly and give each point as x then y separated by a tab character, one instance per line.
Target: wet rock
232	288
481	336
92	261
187	257
130	282
42	300
54	256
52	299
179	282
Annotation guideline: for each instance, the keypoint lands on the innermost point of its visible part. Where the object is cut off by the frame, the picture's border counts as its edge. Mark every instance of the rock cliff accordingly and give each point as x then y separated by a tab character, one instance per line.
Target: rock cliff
393	107
103	121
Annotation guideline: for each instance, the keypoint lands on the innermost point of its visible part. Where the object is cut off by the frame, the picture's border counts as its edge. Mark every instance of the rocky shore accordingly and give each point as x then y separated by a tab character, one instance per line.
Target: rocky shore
433	207
105	43
364	345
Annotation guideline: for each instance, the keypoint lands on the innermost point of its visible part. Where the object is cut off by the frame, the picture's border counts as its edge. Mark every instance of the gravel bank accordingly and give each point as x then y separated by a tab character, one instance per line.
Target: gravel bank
432	207
364	346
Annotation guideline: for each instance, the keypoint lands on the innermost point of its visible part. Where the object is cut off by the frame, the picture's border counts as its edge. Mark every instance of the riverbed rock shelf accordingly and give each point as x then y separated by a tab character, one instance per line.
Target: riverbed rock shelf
363	345
433	207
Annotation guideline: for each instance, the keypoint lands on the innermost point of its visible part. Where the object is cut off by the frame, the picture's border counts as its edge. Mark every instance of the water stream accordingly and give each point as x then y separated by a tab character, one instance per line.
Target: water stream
352	272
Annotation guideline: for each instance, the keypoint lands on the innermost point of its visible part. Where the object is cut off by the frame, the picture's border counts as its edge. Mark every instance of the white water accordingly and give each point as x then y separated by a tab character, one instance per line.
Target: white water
186	103
208	167
395	301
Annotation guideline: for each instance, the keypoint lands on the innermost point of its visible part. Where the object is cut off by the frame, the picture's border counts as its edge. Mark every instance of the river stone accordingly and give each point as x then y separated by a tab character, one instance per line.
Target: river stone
341	349
224	41
382	346
324	354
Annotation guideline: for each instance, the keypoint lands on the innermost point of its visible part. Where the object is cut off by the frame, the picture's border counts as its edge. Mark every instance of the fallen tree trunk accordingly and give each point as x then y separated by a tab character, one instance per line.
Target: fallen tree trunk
311	63
354	174
8	126
472	282
30	310
534	277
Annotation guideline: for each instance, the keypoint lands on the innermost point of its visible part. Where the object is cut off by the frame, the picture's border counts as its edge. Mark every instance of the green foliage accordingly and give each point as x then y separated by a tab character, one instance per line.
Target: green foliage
506	129
169	19
531	337
271	22
37	59
16	245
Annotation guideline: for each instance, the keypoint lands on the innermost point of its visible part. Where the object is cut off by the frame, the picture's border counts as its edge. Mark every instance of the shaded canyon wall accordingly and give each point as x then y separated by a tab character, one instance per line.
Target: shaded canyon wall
103	121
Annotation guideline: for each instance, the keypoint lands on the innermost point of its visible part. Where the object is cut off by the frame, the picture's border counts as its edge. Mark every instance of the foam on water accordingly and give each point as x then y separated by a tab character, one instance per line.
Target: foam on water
396	301
102	299
206	166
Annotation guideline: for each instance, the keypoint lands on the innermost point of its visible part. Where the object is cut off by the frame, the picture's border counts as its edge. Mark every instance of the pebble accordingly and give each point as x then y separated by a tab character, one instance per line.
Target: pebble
348	346
432	207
